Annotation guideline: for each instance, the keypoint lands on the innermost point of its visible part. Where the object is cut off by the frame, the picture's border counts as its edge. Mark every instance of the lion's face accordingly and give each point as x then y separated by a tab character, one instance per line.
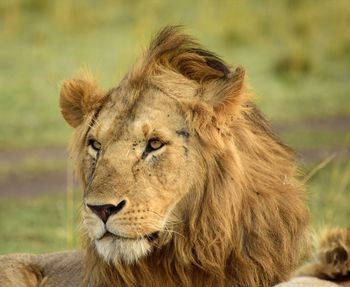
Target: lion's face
137	169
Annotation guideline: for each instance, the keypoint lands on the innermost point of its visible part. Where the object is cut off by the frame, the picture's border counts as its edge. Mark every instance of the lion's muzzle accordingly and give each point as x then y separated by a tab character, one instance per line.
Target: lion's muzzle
106	210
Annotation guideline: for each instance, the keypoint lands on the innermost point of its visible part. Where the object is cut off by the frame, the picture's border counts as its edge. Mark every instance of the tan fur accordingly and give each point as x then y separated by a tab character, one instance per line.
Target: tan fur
332	258
222	192
63	269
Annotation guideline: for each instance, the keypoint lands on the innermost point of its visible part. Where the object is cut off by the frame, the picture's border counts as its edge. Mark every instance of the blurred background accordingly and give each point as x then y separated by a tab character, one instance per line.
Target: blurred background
297	57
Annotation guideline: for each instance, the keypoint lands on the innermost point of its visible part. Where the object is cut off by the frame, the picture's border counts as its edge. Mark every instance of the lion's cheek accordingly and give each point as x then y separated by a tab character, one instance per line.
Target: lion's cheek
167	191
170	173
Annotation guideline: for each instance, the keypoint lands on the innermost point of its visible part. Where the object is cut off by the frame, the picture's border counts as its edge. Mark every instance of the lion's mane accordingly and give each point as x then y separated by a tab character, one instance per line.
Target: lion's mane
245	224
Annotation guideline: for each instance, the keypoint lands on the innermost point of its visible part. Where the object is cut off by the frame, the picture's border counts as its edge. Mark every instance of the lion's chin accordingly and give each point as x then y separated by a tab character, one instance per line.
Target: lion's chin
115	250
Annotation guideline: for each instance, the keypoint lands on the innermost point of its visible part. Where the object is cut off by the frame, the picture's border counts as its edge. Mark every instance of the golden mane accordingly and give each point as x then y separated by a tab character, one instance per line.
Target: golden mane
245	224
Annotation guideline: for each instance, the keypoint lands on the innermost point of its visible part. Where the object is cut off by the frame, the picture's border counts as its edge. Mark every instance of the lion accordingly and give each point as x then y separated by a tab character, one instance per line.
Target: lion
185	183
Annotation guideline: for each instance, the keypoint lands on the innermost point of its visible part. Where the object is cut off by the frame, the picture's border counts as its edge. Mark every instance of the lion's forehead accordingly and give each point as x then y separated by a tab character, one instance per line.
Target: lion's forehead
153	110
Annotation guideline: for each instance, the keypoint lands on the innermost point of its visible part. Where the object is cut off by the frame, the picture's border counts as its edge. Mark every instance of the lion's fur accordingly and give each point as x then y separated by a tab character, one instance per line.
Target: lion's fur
60	269
244	224
331	260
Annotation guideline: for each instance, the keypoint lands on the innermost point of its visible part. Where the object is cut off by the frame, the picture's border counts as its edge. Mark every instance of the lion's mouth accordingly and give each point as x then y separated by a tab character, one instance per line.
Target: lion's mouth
150	237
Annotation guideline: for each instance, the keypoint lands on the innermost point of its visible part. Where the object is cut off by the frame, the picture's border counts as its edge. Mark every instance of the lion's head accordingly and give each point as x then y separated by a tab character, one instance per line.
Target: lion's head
182	174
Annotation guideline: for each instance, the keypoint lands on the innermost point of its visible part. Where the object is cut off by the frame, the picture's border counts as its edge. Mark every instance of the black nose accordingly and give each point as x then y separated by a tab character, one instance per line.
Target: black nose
106	210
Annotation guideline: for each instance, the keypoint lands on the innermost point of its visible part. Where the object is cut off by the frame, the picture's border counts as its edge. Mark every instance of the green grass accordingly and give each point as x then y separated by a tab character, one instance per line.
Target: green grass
41	224
329	195
309	139
296	53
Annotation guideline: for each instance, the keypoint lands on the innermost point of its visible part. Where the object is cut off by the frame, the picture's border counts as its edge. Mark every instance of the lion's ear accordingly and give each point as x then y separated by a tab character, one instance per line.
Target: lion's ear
228	95
78	98
222	99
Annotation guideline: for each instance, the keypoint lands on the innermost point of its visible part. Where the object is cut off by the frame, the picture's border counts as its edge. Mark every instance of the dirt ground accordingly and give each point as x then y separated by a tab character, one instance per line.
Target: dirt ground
34	183
15	184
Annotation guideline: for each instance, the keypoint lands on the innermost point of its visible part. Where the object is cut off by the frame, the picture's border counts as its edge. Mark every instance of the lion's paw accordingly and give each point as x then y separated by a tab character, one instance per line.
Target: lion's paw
334	252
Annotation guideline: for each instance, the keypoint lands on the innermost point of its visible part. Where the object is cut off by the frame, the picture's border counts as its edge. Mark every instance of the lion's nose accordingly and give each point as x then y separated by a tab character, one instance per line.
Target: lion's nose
106	210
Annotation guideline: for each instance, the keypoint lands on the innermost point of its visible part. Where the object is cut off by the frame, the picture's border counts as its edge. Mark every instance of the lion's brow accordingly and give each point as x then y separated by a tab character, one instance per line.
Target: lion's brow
92	123
183	132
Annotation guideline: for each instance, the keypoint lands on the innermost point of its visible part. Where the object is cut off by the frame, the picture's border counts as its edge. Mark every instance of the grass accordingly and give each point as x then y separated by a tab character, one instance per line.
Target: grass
296	53
39	224
329	195
304	139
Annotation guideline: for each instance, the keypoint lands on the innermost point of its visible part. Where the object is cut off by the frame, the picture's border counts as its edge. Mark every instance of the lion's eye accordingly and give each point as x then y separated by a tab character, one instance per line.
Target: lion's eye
95	145
154	144
94	148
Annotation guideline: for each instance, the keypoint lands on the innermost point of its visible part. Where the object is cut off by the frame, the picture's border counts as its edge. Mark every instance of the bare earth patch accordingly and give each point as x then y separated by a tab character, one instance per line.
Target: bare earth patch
18	185
12	157
15	184
336	124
